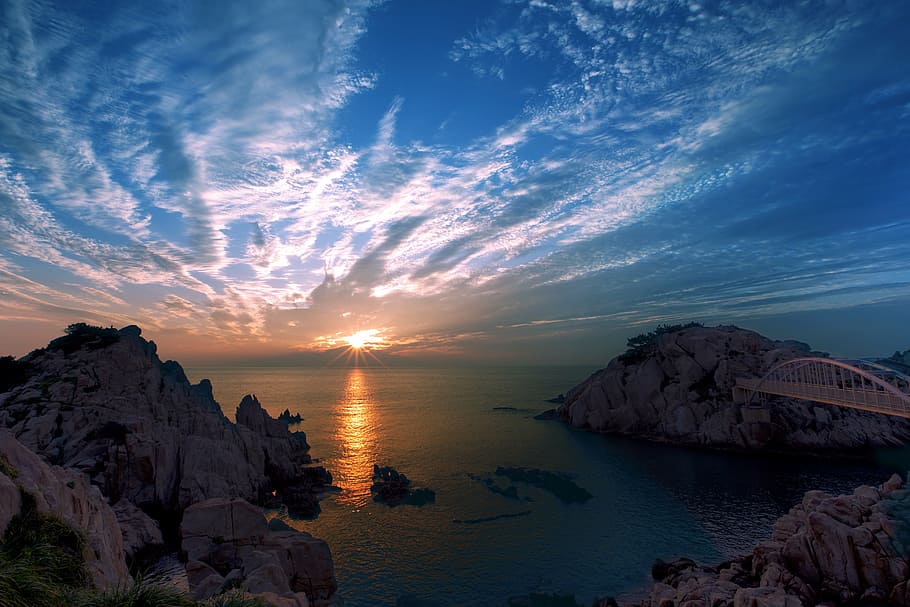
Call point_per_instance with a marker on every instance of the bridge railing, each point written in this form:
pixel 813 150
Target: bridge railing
pixel 832 381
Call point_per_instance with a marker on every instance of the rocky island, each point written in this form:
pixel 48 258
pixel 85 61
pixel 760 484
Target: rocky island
pixel 129 449
pixel 675 385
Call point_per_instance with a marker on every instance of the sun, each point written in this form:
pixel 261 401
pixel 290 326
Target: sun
pixel 363 339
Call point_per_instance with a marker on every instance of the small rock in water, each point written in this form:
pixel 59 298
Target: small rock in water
pixel 392 488
pixel 287 418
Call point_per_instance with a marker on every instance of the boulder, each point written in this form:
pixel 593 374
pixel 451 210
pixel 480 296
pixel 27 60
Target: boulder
pixel 140 531
pixel 232 537
pixel 67 494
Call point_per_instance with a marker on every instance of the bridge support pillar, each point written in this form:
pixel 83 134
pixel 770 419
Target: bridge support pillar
pixel 756 415
pixel 757 425
pixel 740 395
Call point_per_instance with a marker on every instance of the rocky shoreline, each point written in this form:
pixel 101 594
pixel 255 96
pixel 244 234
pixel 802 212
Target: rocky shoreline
pixel 827 550
pixel 98 430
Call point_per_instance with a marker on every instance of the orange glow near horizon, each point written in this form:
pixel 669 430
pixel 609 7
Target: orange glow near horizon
pixel 364 339
pixel 356 434
pixel 359 346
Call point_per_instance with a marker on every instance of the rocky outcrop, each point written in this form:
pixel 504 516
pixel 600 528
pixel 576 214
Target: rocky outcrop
pixel 66 494
pixel 831 550
pixel 101 402
pixel 393 488
pixel 679 389
pixel 228 544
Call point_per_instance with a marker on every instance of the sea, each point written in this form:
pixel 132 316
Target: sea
pixel 449 430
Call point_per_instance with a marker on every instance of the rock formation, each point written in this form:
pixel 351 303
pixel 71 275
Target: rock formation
pixel 844 550
pixel 229 544
pixel 393 488
pixel 100 401
pixel 101 405
pixel 679 389
pixel 67 494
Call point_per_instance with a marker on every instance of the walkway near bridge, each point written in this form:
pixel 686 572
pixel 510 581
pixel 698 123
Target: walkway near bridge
pixel 853 383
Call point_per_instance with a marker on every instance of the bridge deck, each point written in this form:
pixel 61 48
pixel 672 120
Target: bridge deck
pixel 878 401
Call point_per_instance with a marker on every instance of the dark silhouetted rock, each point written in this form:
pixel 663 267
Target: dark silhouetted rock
pixel 393 489
pixel 286 418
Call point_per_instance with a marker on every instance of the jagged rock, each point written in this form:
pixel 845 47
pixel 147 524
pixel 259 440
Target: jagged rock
pixel 232 537
pixel 286 417
pixel 102 402
pixel 826 550
pixel 679 389
pixel 67 494
pixel 251 414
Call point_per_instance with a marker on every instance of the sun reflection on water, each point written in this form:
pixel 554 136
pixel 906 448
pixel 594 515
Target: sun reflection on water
pixel 356 435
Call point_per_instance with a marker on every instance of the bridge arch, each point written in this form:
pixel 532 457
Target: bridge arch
pixel 852 383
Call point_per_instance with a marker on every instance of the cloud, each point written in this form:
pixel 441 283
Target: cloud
pixel 669 160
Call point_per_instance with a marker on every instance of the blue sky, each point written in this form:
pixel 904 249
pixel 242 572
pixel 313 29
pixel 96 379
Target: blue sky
pixel 523 180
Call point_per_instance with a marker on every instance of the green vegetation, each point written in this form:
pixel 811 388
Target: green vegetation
pixel 7 468
pixel 41 559
pixel 42 564
pixel 642 344
pixel 139 594
pixel 80 335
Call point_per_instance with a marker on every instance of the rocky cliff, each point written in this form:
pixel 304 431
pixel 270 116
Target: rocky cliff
pixel 101 402
pixel 827 550
pixel 679 389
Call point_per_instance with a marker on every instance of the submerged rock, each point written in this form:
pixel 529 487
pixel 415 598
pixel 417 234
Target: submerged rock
pixel 679 389
pixel 559 485
pixel 392 488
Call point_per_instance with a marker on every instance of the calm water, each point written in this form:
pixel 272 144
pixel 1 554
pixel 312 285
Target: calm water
pixel 440 426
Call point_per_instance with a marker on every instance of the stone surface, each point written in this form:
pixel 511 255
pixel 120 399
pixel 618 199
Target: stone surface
pixel 232 537
pixel 108 407
pixel 680 390
pixel 825 550
pixel 67 494
pixel 139 529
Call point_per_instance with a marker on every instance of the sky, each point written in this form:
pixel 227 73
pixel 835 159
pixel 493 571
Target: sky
pixel 510 181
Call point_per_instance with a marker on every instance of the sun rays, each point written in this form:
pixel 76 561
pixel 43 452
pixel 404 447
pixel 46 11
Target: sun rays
pixel 359 348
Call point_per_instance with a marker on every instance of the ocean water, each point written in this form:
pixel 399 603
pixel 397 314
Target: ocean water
pixel 445 428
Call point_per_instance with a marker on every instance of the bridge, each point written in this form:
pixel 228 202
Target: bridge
pixel 853 383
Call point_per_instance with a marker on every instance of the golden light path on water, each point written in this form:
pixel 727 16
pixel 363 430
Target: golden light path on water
pixel 355 432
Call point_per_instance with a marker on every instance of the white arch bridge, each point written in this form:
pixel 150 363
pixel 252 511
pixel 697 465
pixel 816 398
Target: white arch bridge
pixel 853 383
